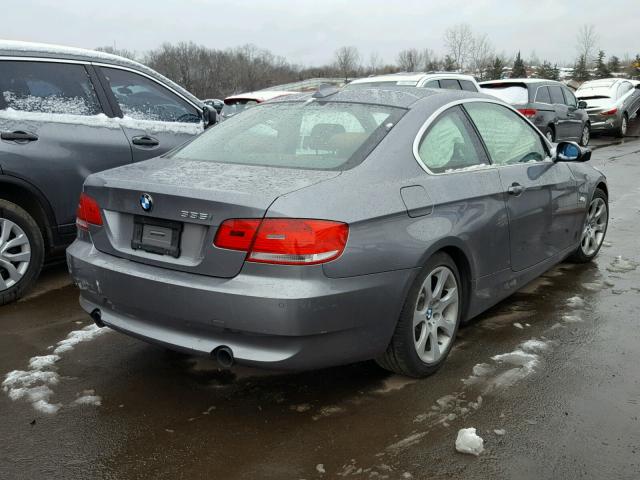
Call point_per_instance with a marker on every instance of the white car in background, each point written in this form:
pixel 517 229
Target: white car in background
pixel 446 80
pixel 237 103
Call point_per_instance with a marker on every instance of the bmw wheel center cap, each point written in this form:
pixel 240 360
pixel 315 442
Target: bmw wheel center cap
pixel 146 202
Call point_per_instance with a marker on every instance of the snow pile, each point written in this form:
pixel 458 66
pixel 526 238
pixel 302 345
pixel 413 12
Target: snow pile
pixel 469 442
pixel 34 385
pixel 622 265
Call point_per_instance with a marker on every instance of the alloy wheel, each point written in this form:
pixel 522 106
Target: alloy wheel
pixel 435 315
pixel 585 136
pixel 549 135
pixel 15 253
pixel 623 125
pixel 595 227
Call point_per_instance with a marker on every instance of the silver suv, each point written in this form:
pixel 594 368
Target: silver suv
pixel 446 80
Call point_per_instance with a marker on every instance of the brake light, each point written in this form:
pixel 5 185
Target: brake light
pixel 88 212
pixel 528 112
pixel 284 241
pixel 613 111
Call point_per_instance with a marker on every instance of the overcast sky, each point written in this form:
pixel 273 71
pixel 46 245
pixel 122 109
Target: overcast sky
pixel 307 32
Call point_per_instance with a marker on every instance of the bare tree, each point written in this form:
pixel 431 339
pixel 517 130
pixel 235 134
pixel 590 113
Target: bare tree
pixel 122 52
pixel 429 60
pixel 586 42
pixel 481 55
pixel 347 61
pixel 374 63
pixel 458 41
pixel 410 60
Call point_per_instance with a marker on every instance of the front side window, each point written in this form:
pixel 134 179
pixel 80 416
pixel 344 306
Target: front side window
pixel 43 87
pixel 570 98
pixel 509 138
pixel 140 98
pixel 450 144
pixel 556 95
pixel 307 135
pixel 450 84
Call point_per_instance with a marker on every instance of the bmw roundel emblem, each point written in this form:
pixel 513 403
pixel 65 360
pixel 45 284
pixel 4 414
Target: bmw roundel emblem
pixel 146 202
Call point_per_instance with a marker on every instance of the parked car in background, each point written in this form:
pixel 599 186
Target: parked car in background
pixel 549 105
pixel 446 80
pixel 610 103
pixel 237 103
pixel 328 228
pixel 64 114
pixel 215 103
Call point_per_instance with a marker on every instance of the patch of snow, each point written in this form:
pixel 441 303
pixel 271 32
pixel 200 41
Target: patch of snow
pixel 518 325
pixel 327 412
pixel 571 319
pixel 43 361
pixel 500 431
pixel 50 104
pixel 575 302
pixel 46 407
pixel 78 336
pixel 95 400
pixel 469 442
pixel 320 468
pixel 407 442
pixel 394 382
pixel 534 345
pixel 622 265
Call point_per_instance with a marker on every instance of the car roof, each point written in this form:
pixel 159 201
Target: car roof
pixel 402 97
pixel 260 95
pixel 520 80
pixel 13 48
pixel 602 83
pixel 410 77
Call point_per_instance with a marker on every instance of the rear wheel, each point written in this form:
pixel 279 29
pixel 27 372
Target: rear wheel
pixel 594 228
pixel 21 251
pixel 621 131
pixel 586 135
pixel 428 322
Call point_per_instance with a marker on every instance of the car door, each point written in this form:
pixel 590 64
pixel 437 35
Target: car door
pixel 154 118
pixel 574 116
pixel 625 97
pixel 55 132
pixel 541 195
pixel 562 121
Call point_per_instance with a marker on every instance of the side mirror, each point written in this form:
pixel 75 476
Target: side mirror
pixel 571 152
pixel 582 104
pixel 209 115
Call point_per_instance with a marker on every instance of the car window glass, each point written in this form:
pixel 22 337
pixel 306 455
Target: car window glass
pixel 556 95
pixel 570 98
pixel 43 87
pixel 450 84
pixel 451 144
pixel 542 95
pixel 432 84
pixel 508 137
pixel 624 88
pixel 468 85
pixel 143 99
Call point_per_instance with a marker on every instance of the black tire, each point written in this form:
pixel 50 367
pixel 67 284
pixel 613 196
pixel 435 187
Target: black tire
pixel 579 256
pixel 401 356
pixel 22 219
pixel 620 132
pixel 550 134
pixel 588 135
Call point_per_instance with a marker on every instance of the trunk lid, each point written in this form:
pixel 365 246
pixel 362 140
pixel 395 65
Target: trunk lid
pixel 189 200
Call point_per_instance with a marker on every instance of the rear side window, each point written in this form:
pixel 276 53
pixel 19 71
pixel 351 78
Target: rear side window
pixel 509 138
pixel 450 144
pixel 43 87
pixel 556 95
pixel 542 95
pixel 468 85
pixel 450 84
pixel 143 99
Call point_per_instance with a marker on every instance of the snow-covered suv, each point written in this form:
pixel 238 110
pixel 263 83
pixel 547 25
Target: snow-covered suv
pixel 447 80
pixel 66 113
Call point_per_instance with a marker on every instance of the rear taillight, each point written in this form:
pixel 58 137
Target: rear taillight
pixel 88 212
pixel 528 112
pixel 613 111
pixel 285 241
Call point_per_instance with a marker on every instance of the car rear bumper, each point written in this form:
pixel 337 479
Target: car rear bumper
pixel 598 124
pixel 296 320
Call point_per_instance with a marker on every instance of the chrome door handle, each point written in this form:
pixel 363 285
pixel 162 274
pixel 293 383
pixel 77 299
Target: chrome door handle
pixel 515 189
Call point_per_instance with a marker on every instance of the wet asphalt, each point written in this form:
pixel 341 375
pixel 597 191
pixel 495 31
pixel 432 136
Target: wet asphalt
pixel 567 406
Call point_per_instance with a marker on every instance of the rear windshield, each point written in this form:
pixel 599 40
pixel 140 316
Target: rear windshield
pixel 512 94
pixel 308 135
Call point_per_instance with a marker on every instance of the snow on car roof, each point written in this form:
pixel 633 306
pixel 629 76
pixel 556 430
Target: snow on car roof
pixel 408 77
pixel 604 83
pixel 518 80
pixel 46 50
pixel 259 96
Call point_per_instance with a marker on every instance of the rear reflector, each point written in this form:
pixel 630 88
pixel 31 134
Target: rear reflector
pixel 528 112
pixel 88 212
pixel 613 111
pixel 285 241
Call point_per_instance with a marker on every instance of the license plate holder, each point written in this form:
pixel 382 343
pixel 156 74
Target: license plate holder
pixel 155 235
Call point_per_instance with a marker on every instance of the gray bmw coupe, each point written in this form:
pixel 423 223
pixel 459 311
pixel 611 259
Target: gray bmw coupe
pixel 334 227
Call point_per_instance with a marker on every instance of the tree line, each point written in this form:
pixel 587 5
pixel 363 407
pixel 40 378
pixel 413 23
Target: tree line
pixel 215 73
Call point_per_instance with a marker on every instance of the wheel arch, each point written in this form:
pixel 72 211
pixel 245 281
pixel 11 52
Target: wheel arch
pixel 33 201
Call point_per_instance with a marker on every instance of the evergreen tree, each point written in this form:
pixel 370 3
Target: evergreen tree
pixel 495 69
pixel 519 68
pixel 449 64
pixel 580 71
pixel 602 70
pixel 547 71
pixel 556 72
pixel 614 64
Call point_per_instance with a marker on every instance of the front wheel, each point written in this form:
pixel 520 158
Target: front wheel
pixel 21 251
pixel 428 322
pixel 586 135
pixel 594 228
